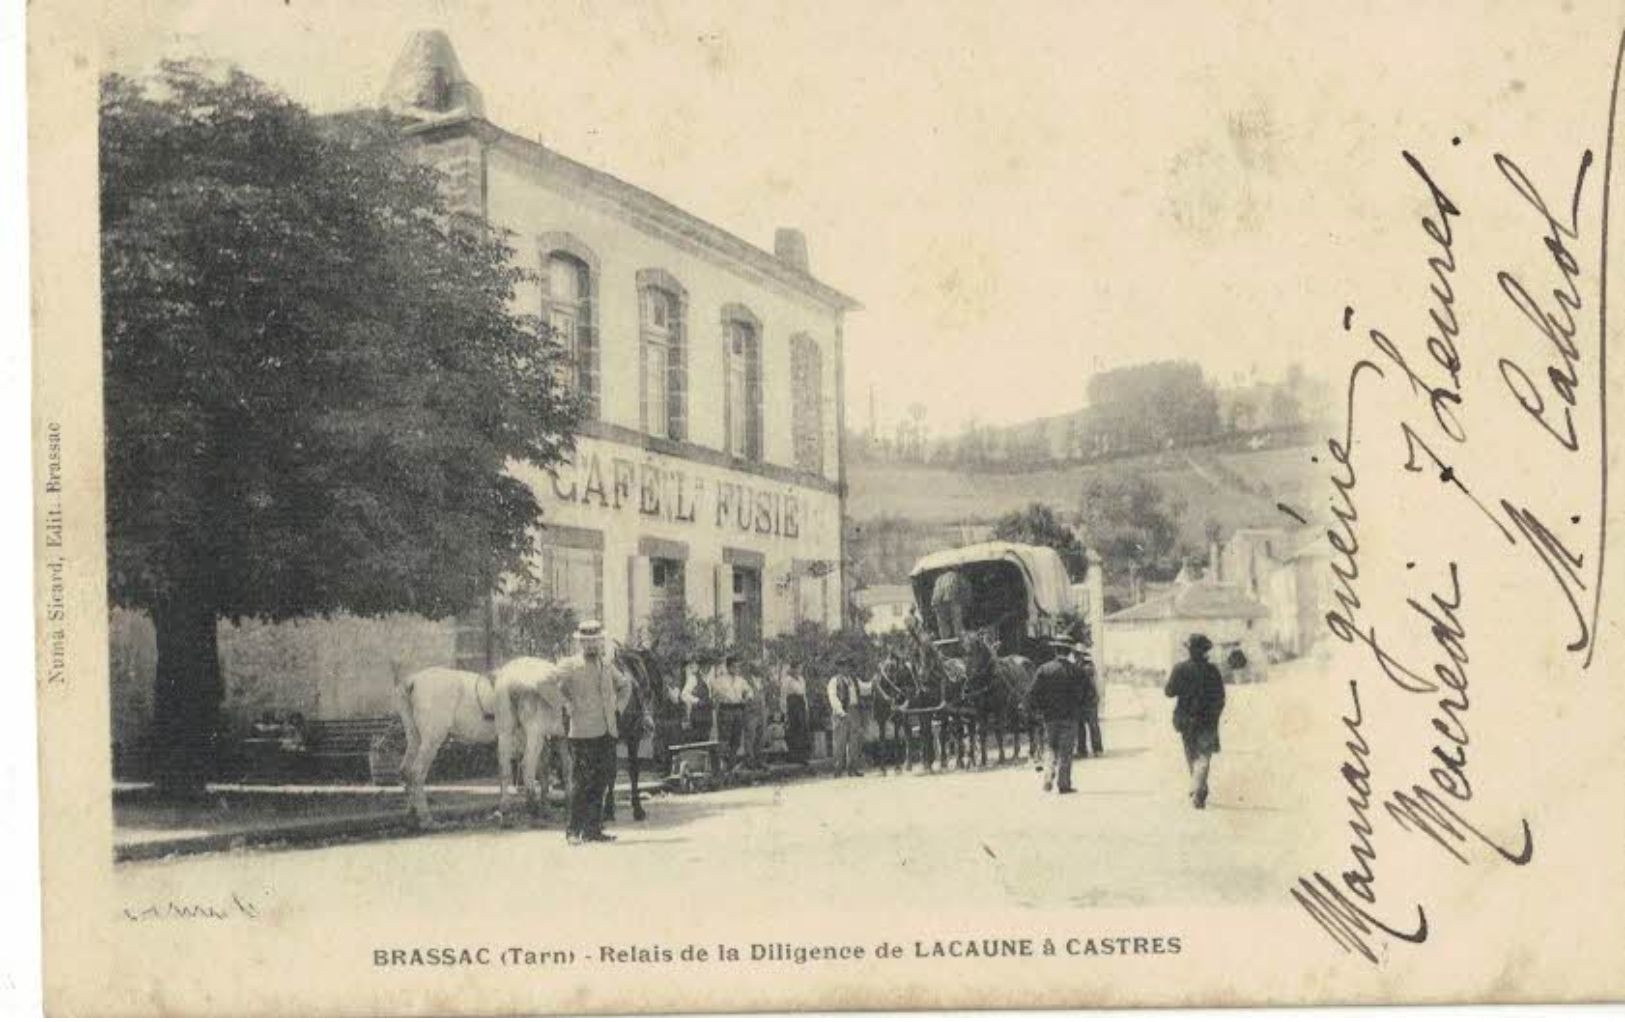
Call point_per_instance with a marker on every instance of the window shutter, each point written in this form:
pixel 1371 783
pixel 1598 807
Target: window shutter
pixel 728 410
pixel 753 397
pixel 645 301
pixel 677 374
pixel 724 594
pixel 639 582
pixel 587 345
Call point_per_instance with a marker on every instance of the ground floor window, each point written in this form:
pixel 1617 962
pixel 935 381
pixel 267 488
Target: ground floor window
pixel 747 606
pixel 574 577
pixel 666 584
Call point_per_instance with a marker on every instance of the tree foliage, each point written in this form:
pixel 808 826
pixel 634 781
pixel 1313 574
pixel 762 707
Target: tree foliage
pixel 678 637
pixel 1147 407
pixel 529 622
pixel 316 374
pixel 1038 524
pixel 1131 523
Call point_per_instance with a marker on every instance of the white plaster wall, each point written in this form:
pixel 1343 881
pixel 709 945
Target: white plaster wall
pixel 526 201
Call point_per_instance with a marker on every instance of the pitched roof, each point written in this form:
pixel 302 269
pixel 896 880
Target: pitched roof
pixel 1203 599
pixel 428 83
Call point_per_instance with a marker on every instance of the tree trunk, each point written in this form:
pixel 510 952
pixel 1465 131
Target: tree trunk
pixel 187 694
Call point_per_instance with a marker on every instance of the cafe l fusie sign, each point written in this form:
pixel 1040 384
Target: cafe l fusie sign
pixel 675 493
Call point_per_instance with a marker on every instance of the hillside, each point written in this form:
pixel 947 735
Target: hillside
pixel 1235 489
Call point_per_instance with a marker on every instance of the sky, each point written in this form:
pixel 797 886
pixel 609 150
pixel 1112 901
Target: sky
pixel 1020 194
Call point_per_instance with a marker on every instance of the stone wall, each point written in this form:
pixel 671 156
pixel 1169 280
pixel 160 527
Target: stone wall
pixel 336 667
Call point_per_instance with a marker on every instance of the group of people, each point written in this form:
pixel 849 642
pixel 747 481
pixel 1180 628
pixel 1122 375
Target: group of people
pixel 753 716
pixel 1064 695
pixel 1066 699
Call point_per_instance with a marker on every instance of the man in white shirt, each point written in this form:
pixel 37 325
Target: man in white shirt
pixel 594 694
pixel 846 720
pixel 729 691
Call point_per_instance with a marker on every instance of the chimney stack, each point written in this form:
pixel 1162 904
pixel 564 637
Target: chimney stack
pixel 790 245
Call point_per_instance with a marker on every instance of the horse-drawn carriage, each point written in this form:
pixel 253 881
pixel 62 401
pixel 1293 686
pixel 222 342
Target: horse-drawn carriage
pixel 986 617
pixel 1020 594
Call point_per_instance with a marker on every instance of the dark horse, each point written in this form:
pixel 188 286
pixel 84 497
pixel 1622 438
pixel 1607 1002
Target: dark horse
pixel 654 712
pixel 940 705
pixel 898 700
pixel 998 687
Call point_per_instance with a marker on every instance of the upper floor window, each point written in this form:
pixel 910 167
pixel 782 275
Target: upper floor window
pixel 807 403
pixel 663 355
pixel 742 339
pixel 569 309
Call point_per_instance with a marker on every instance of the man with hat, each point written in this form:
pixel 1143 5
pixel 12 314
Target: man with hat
pixel 594 695
pixel 1057 697
pixel 846 717
pixel 1198 693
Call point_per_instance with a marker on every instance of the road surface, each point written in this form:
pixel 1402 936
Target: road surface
pixel 1129 837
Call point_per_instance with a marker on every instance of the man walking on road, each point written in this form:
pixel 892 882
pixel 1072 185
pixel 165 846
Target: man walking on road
pixel 1057 697
pixel 1198 692
pixel 594 694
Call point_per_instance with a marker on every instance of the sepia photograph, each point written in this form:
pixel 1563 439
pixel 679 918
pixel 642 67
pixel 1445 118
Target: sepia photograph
pixel 624 508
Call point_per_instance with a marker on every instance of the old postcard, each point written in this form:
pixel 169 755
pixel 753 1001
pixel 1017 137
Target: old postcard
pixel 714 506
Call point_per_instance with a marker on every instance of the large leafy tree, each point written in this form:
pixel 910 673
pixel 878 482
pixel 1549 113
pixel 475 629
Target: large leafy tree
pixel 1134 526
pixel 316 375
pixel 1039 525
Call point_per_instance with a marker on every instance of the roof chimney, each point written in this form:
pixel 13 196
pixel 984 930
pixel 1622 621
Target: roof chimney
pixel 428 82
pixel 790 245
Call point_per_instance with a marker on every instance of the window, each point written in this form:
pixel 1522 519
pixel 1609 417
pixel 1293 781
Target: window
pixel 663 358
pixel 807 397
pixel 569 287
pixel 666 588
pixel 747 606
pixel 743 392
pixel 574 576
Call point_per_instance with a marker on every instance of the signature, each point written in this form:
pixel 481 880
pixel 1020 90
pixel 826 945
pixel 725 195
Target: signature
pixel 1436 798
pixel 238 907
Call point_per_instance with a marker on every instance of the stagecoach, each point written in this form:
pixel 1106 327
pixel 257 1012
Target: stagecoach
pixel 1020 593
pixel 966 676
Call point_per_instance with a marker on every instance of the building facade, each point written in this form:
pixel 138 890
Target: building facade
pixel 708 472
pixel 1149 637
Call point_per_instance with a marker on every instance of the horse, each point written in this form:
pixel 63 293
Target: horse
pixel 898 683
pixel 525 694
pixel 943 691
pixel 654 702
pixel 999 687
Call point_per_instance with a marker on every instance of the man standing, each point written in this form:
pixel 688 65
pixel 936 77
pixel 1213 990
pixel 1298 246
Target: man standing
pixel 729 692
pixel 1057 697
pixel 846 718
pixel 1089 711
pixel 755 719
pixel 594 695
pixel 948 599
pixel 1198 693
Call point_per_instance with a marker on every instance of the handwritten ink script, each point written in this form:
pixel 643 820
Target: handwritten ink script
pixel 236 907
pixel 1551 375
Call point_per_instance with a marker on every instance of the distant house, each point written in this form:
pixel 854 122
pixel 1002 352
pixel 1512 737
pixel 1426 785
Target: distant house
pixel 1297 593
pixel 1287 571
pixel 1151 636
pixel 886 607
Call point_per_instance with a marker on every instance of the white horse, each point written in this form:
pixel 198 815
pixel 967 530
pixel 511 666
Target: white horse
pixel 439 703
